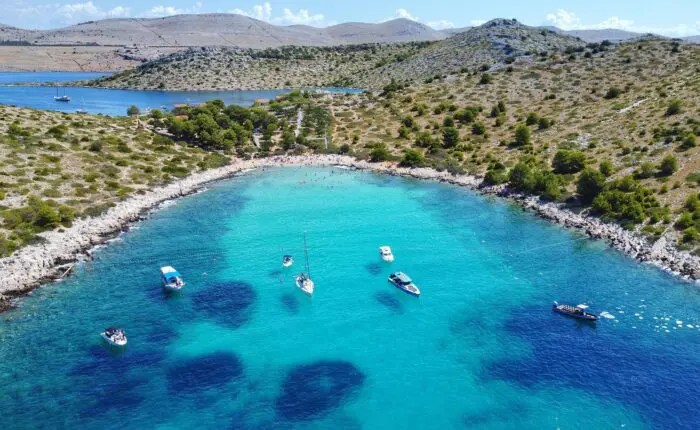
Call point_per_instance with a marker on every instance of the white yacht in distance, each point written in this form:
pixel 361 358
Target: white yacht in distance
pixel 172 280
pixel 304 282
pixel 114 336
pixel 386 254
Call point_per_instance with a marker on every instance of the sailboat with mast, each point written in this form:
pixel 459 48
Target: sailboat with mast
pixel 304 282
pixel 63 98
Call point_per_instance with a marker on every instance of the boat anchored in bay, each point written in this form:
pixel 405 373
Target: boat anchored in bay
pixel 404 283
pixel 578 311
pixel 114 336
pixel 172 280
pixel 303 281
pixel 386 254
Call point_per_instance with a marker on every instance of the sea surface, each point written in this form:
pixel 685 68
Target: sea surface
pixel 240 347
pixel 112 101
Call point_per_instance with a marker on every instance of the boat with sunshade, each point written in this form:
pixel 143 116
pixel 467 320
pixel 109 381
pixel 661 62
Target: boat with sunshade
pixel 404 283
pixel 172 280
pixel 386 254
pixel 578 311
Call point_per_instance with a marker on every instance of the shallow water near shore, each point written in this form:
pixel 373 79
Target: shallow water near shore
pixel 241 347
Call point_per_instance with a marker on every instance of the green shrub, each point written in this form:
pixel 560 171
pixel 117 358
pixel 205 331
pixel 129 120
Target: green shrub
pixel 606 168
pixel 485 79
pixel 522 135
pixel 379 153
pixel 412 158
pixel 674 107
pixel 568 161
pixel 689 142
pixel 532 119
pixel 668 166
pixel 450 137
pixel 613 92
pixel 478 128
pixel 590 183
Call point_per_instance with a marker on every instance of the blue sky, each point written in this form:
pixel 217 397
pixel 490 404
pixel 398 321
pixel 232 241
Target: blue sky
pixel 671 17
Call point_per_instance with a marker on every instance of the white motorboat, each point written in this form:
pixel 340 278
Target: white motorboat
pixel 172 280
pixel 386 254
pixel 114 336
pixel 287 261
pixel 401 281
pixel 303 281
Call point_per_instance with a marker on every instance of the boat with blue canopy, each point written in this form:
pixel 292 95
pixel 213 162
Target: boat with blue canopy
pixel 172 280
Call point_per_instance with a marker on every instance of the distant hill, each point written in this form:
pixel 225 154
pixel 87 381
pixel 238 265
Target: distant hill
pixel 692 39
pixel 221 30
pixel 488 44
pixel 362 65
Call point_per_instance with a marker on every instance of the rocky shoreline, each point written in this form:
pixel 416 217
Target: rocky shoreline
pixel 51 259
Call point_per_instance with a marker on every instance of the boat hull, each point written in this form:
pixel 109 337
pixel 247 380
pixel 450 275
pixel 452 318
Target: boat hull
pixel 306 286
pixel 414 293
pixel 576 315
pixel 107 339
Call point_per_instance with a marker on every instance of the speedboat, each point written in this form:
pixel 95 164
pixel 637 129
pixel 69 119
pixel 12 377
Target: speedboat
pixel 172 280
pixel 114 336
pixel 386 254
pixel 287 260
pixel 578 311
pixel 304 283
pixel 401 281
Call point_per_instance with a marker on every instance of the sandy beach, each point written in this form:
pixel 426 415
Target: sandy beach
pixel 51 259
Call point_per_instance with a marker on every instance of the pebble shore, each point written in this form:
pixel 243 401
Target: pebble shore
pixel 49 260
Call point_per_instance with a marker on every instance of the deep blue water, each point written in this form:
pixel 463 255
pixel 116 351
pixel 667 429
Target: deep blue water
pixel 241 347
pixel 110 101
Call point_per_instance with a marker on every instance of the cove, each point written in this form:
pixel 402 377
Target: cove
pixel 479 349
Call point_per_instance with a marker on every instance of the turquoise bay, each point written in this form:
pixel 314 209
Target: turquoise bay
pixel 241 347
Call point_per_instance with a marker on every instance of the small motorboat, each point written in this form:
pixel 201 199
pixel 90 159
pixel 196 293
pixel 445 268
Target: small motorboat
pixel 386 254
pixel 401 281
pixel 578 311
pixel 172 280
pixel 114 336
pixel 287 260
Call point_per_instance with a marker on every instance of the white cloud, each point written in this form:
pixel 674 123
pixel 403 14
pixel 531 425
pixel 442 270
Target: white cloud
pixel 441 25
pixel 263 12
pixel 57 14
pixel 301 17
pixel 161 10
pixel 403 13
pixel 477 22
pixel 567 20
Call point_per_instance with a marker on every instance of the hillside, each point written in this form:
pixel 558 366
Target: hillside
pixel 630 112
pixel 362 66
pixel 219 30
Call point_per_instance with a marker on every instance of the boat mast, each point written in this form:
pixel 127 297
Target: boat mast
pixel 306 257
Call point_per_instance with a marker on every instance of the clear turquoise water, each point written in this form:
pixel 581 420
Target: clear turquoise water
pixel 110 101
pixel 240 347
